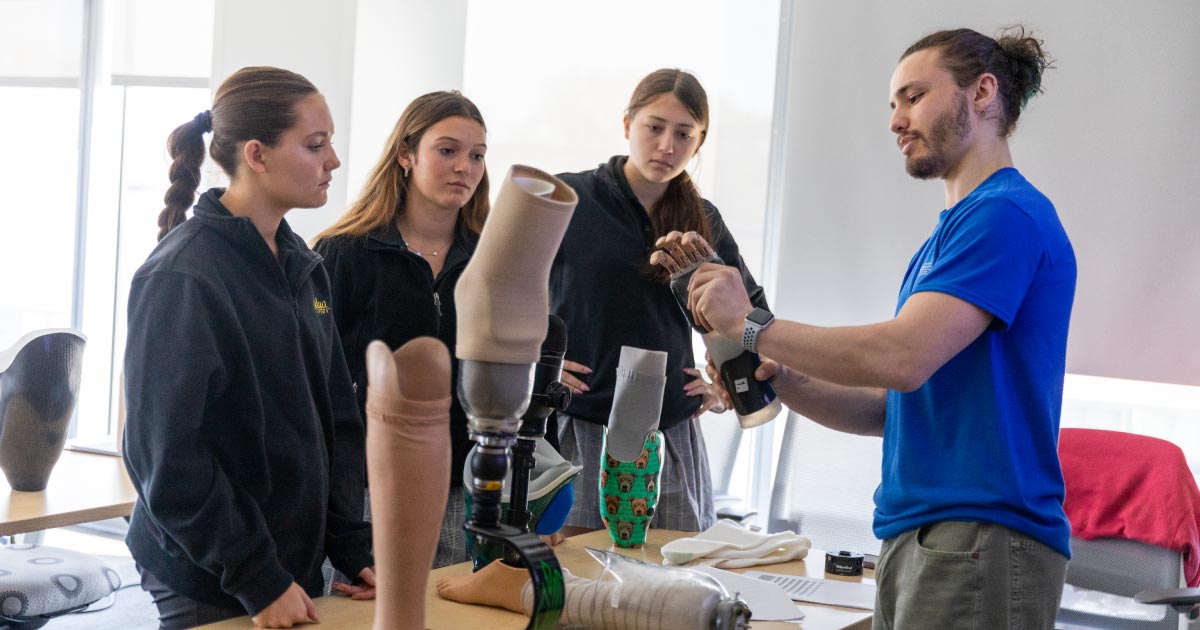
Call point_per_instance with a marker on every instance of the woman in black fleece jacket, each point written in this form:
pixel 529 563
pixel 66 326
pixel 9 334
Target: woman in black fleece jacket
pixel 243 438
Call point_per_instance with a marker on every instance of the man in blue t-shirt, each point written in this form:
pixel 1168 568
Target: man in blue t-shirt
pixel 965 383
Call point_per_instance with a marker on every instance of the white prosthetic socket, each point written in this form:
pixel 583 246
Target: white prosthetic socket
pixel 637 401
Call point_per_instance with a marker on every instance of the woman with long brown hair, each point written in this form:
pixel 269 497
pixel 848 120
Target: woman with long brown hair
pixel 395 256
pixel 242 437
pixel 603 286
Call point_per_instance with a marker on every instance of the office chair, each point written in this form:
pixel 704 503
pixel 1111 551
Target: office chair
pixel 39 386
pixel 1134 510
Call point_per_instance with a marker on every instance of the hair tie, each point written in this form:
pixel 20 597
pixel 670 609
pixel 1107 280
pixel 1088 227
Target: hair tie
pixel 203 121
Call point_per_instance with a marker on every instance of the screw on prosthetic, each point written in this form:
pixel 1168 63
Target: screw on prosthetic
pixel 503 305
pixel 754 401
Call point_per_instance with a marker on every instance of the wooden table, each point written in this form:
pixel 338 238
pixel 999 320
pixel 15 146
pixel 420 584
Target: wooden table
pixel 345 614
pixel 83 487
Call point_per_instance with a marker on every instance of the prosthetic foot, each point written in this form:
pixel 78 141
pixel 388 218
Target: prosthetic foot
pixel 633 447
pixel 627 594
pixel 408 443
pixel 503 309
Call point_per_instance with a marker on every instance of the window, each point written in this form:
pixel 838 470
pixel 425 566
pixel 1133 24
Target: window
pixel 127 72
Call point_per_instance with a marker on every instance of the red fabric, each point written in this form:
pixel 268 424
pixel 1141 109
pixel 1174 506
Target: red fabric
pixel 1121 485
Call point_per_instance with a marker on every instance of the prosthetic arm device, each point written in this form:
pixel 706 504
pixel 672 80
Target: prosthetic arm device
pixel 503 305
pixel 754 401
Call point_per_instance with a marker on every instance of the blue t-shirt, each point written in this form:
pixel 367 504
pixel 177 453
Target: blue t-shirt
pixel 979 440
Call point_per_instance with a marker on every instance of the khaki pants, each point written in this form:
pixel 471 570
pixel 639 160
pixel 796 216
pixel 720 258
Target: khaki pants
pixel 979 576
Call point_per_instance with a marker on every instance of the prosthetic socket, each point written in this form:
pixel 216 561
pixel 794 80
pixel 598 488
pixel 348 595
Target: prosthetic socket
pixel 754 401
pixel 631 469
pixel 634 594
pixel 503 305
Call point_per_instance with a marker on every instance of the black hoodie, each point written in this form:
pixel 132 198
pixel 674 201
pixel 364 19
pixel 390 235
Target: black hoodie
pixel 382 290
pixel 242 434
pixel 597 287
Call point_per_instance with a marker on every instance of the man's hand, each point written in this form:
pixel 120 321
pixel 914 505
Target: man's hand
pixel 366 590
pixel 767 370
pixel 718 301
pixel 291 608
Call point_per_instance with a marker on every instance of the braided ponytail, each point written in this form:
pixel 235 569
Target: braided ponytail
pixel 186 148
pixel 254 103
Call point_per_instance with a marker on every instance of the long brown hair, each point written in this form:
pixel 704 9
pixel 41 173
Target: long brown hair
pixel 254 103
pixel 681 207
pixel 385 194
pixel 1016 59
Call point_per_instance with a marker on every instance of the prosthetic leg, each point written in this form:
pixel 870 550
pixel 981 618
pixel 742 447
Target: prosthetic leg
pixel 408 412
pixel 628 594
pixel 540 504
pixel 503 305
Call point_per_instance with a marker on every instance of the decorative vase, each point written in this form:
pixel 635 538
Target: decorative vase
pixel 39 386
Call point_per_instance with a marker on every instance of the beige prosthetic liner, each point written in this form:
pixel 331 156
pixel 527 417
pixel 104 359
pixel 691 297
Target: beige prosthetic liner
pixel 502 298
pixel 408 445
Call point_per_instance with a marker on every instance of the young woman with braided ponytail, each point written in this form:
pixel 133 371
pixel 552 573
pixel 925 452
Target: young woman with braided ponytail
pixel 603 286
pixel 243 437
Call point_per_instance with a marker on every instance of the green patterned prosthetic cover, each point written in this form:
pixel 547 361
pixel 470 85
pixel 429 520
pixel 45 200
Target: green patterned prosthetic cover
pixel 629 491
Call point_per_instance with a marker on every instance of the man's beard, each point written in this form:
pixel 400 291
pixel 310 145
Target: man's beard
pixel 951 125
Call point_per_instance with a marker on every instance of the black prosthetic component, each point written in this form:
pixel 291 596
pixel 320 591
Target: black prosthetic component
pixel 549 395
pixel 489 467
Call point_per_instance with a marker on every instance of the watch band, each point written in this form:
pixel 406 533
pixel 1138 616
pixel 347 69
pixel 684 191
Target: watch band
pixel 756 322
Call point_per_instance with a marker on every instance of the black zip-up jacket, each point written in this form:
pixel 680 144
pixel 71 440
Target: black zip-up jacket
pixel 597 287
pixel 242 435
pixel 381 290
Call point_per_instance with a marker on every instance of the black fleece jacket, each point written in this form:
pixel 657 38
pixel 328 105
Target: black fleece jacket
pixel 597 287
pixel 381 290
pixel 242 435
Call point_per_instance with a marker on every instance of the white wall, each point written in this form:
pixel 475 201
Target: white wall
pixel 403 49
pixel 552 80
pixel 1112 142
pixel 312 37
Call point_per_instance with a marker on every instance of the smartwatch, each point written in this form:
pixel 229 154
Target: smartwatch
pixel 756 321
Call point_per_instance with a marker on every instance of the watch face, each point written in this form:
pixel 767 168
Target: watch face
pixel 760 316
